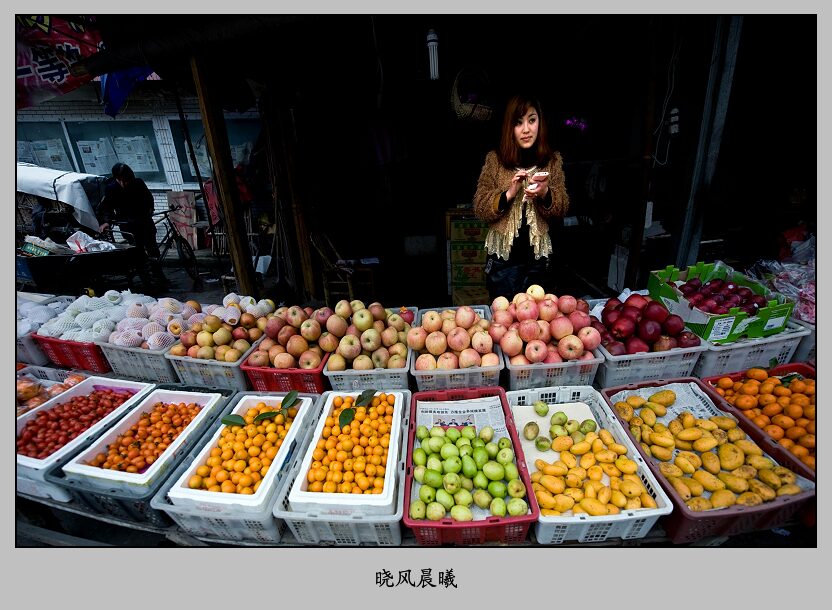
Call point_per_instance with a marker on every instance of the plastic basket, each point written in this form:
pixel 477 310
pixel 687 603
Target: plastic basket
pixel 684 525
pixel 226 524
pixel 115 502
pixel 633 368
pixel 45 373
pixel 805 351
pixel 269 379
pixel 449 379
pixel 783 455
pixel 505 530
pixel 212 373
pixel 542 375
pixel 138 363
pixel 747 353
pixel 73 354
pixel 629 524
pixel 29 352
pixel 337 530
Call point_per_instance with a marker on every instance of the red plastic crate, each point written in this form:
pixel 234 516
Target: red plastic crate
pixel 268 379
pixel 505 530
pixel 73 354
pixel 684 525
pixel 783 455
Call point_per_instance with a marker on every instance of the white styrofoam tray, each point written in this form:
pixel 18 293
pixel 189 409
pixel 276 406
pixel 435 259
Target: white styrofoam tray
pixel 139 482
pixel 303 501
pixel 180 494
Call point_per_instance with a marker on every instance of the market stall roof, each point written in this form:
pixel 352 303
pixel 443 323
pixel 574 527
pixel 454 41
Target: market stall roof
pixel 81 191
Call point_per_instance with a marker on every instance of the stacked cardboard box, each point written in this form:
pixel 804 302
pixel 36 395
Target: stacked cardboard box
pixel 466 256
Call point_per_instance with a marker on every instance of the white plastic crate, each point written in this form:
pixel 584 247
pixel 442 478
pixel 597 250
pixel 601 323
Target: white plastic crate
pixel 221 523
pixel 29 352
pixel 542 375
pixel 628 524
pixel 212 372
pixel 31 471
pixel 449 379
pixel 345 504
pixel 747 353
pixel 138 363
pixel 182 495
pixel 48 374
pixel 353 530
pixel 805 351
pixel 634 368
pixel 139 483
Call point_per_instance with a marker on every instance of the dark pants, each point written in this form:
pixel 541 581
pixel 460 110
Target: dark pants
pixel 507 278
pixel 143 236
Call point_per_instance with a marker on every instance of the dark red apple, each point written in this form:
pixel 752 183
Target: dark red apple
pixel 730 287
pixel 623 327
pixel 687 339
pixel 606 337
pixel 687 289
pixel 609 316
pixel 704 308
pixel 649 330
pixel 273 326
pixel 744 292
pixel 709 303
pixel 612 303
pixel 664 343
pixel 718 298
pixel 720 309
pixel 696 299
pixel 695 282
pixel 655 311
pixel 759 300
pixel 635 345
pixel 616 348
pixel 714 284
pixel 634 313
pixel 636 300
pixel 599 326
pixel 582 305
pixel 673 325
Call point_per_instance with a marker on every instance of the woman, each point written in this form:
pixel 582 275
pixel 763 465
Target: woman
pixel 520 186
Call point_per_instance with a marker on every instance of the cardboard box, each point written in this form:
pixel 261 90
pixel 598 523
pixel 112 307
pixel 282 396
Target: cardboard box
pixel 467 254
pixel 470 295
pixel 468 231
pixel 467 275
pixel 720 328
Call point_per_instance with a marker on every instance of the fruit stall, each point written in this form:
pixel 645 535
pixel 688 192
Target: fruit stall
pixel 674 414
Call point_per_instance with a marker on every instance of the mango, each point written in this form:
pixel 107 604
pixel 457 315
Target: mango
pixel 648 416
pixel 749 498
pixel 660 428
pixel 633 504
pixel 626 465
pixel 749 447
pixel 684 445
pixel 663 439
pixel 721 436
pixel 689 434
pixel 691 457
pixel 710 462
pixel 659 410
pixel 587 460
pixel 647 501
pixel 745 471
pixel 615 482
pixel 535 476
pixel 589 491
pixel 723 498
pixel 545 499
pixel 706 424
pixel 573 481
pixel 569 459
pixel 734 483
pixel 610 470
pixel 562 443
pixel 699 504
pixel 606 456
pixel 606 437
pixel 665 398
pixel 696 488
pixel 636 421
pixel 575 493
pixel 759 462
pixel 635 401
pixel 578 472
pixel 790 489
pixel 547 512
pixel 612 509
pixel 624 410
pixel 687 419
pixel 709 481
pixel 669 470
pixel 553 485
pixel 578 510
pixel 558 469
pixel 630 488
pixel 661 453
pixel 594 507
pixel 736 434
pixel 730 456
pixel 564 502
pixel 724 422
pixel 636 433
pixel 675 426
pixel 597 445
pixel 786 475
pixel 705 444
pixel 540 464
pixel 646 448
pixel 618 499
pixel 604 494
pixel 763 490
pixel 767 477
pixel 617 448
pixel 595 473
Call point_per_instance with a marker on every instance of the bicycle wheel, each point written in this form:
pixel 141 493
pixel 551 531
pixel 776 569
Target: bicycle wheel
pixel 187 257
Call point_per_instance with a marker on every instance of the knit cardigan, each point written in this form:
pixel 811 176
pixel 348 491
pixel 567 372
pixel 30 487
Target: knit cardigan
pixel 494 181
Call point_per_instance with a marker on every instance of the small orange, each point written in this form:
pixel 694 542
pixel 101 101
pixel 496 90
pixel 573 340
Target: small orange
pixel 725 383
pixel 757 374
pixel 809 412
pixel 762 421
pixel 781 391
pixel 766 399
pixel 745 402
pixel 751 389
pixel 786 442
pixel 809 460
pixel 810 388
pixel 794 411
pixel 737 386
pixel 800 399
pixel 797 386
pixel 801 421
pixel 766 387
pixel 810 427
pixel 795 432
pixel 807 440
pixel 783 421
pixel 774 380
pixel 720 391
pixel 799 450
pixel 772 409
pixel 775 432
pixel 784 401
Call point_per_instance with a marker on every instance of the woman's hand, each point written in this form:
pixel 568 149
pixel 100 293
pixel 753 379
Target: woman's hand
pixel 539 186
pixel 516 182
pixel 103 227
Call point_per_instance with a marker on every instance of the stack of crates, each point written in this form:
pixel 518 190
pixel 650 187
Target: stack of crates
pixel 466 257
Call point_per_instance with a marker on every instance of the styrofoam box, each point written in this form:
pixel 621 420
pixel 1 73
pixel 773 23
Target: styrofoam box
pixel 321 503
pixel 30 471
pixel 580 403
pixel 139 482
pixel 182 495
pixel 747 353
pixel 352 530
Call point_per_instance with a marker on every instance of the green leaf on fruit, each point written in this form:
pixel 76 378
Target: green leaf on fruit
pixel 266 415
pixel 289 400
pixel 772 363
pixel 233 420
pixel 786 380
pixel 345 419
pixel 365 398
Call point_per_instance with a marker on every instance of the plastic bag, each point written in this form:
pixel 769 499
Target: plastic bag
pixel 81 242
pixel 27 388
pixel 793 280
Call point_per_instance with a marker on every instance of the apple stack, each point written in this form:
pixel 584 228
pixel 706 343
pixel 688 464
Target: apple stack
pixel 547 340
pixel 641 340
pixel 454 340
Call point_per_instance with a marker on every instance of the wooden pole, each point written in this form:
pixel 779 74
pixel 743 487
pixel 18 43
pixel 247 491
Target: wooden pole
pixel 216 137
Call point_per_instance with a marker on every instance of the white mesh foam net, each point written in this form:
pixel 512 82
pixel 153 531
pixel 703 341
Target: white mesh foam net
pixel 245 302
pixel 40 314
pixel 132 324
pixel 161 316
pixel 88 318
pixel 231 297
pixel 160 340
pixel 187 311
pixel 231 315
pixel 268 307
pixel 183 326
pixel 113 296
pixel 196 318
pixel 151 328
pixel 256 310
pixel 129 338
pixel 137 310
pixel 104 326
pixel 169 304
pixel 116 313
pixel 96 303
pixel 209 309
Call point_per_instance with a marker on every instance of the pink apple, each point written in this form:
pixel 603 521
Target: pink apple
pixel 352 330
pixel 349 347
pixel 502 317
pixel 547 309
pixel 448 360
pixel 448 314
pixel 549 296
pixel 322 314
pixel 237 333
pixel 363 363
pixel 552 357
pixel 458 339
pixel 362 319
pixel 336 325
pixel 193 351
pixel 310 330
pixel 582 305
pixel 520 297
pixel 496 331
pixel 379 325
pixel 499 304
pixel 512 309
pixel 370 340
pixel 536 292
pixel 536 351
pixel 519 360
pixel 378 311
pixel 295 315
pixel 465 316
pixel 567 304
pixel 431 321
pixel 296 345
pixel 336 362
pixel 309 360
pixel 398 349
pixel 396 362
pixel 514 326
pixel 286 333
pixel 482 342
pixel 579 320
pixel 590 337
pixel 389 336
pixel 545 331
pixel 380 358
pixel 560 327
pixel 587 355
pixel 436 342
pixel 490 359
pixel 425 362
pixel 469 357
pixel 528 330
pixel 273 326
pixel 448 325
pixel 343 308
pixel 284 361
pixel 527 310
pixel 570 347
pixel 266 344
pixel 258 358
pixel 396 321
pixel 416 338
pixel 327 341
pixel 511 343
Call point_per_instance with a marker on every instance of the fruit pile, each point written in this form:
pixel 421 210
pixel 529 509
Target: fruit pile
pixel 452 339
pixel 718 296
pixel 456 468
pixel 710 463
pixel 32 393
pixel 536 327
pixel 49 430
pixel 639 325
pixel 351 455
pixel 292 339
pixel 246 447
pixel 784 407
pixel 137 448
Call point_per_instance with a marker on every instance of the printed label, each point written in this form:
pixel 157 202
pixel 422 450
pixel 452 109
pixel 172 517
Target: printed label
pixel 721 328
pixel 775 323
pixel 743 325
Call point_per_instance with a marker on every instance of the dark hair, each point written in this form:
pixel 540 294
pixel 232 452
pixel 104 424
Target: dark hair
pixel 122 171
pixel 509 151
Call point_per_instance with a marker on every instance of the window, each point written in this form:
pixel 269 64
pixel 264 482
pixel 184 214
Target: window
pixel 43 144
pixel 242 136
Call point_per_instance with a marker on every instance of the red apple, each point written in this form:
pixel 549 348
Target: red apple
pixel 561 327
pixel 635 345
pixel 649 330
pixel 664 343
pixel 616 348
pixel 582 305
pixel 529 330
pixel 673 325
pixel 636 300
pixel 612 303
pixel 511 343
pixel 536 351
pixel 590 337
pixel 688 339
pixel 579 319
pixel 570 347
pixel 632 312
pixel 655 311
pixel 623 327
pixel 567 304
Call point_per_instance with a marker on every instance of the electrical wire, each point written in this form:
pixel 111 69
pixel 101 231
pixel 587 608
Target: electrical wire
pixel 671 84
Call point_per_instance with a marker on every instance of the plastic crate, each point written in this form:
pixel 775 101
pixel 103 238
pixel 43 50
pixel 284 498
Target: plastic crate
pixel 683 525
pixel 78 468
pixel 31 471
pixel 115 502
pixel 45 373
pixel 270 379
pixel 29 352
pixel 629 524
pixel 225 523
pixel 747 353
pixel 505 530
pixel 354 530
pixel 783 455
pixel 138 363
pixel 805 351
pixel 633 368
pixel 344 504
pixel 212 373
pixel 73 354
pixel 542 375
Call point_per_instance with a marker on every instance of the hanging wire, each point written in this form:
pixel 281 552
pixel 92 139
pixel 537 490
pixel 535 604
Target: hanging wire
pixel 671 83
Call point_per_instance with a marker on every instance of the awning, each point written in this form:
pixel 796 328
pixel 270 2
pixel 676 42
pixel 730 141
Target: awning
pixel 81 191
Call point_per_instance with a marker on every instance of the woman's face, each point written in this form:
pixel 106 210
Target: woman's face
pixel 525 129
